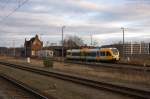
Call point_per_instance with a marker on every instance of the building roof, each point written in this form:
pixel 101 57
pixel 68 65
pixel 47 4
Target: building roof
pixel 28 43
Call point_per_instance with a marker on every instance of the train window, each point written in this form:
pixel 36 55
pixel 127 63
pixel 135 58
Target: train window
pixel 97 53
pixel 108 54
pixel 75 54
pixel 102 53
pixel 68 53
pixel 115 51
pixel 82 53
pixel 91 54
pixel 87 54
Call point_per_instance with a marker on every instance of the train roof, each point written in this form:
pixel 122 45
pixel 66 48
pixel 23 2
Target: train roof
pixel 108 48
pixel 91 50
pixel 73 50
pixel 78 50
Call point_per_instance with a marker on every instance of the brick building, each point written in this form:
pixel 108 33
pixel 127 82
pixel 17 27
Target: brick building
pixel 32 46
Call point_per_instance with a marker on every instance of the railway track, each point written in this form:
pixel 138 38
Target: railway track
pixel 26 88
pixel 136 93
pixel 111 65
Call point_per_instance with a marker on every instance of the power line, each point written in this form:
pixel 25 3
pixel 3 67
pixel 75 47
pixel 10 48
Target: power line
pixel 19 2
pixel 19 6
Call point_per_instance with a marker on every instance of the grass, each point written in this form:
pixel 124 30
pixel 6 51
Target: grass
pixel 117 76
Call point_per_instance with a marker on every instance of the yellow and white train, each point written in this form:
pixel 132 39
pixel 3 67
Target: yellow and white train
pixel 98 54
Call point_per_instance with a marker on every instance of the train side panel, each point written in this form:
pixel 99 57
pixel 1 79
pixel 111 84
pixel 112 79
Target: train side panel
pixel 103 54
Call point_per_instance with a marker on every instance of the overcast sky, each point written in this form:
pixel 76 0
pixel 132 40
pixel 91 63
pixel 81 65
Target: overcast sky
pixel 101 18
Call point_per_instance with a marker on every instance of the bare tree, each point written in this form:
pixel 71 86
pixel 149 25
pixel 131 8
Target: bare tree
pixel 95 43
pixel 73 42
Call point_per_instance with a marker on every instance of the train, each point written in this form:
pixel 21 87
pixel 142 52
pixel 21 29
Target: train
pixel 96 54
pixel 44 53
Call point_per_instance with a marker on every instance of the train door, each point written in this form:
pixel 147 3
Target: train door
pixel 103 55
pixel 108 55
pixel 82 55
pixel 97 56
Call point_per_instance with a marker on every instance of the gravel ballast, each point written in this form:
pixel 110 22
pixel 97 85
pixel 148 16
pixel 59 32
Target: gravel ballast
pixel 59 88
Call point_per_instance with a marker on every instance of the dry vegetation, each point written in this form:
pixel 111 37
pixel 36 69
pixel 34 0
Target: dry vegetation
pixel 124 77
pixel 139 60
pixel 59 88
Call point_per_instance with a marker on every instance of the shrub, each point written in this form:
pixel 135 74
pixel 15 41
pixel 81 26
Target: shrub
pixel 48 62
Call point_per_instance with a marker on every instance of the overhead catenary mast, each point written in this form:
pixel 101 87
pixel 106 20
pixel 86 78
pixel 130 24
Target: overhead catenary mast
pixel 123 41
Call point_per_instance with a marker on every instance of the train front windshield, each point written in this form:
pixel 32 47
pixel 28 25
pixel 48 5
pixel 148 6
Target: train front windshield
pixel 115 51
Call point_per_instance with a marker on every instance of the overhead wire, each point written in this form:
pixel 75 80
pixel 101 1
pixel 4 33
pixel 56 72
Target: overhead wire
pixel 19 6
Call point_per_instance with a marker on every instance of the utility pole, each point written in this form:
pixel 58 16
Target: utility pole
pixel 123 48
pixel 14 47
pixel 47 43
pixel 91 39
pixel 41 41
pixel 62 40
pixel 25 52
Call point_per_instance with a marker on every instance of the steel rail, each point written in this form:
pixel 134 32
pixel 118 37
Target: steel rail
pixel 137 93
pixel 26 87
pixel 112 65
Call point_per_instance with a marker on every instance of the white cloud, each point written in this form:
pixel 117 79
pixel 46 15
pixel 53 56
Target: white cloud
pixel 103 18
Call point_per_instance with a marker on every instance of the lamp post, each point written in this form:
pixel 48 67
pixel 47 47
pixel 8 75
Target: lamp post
pixel 63 40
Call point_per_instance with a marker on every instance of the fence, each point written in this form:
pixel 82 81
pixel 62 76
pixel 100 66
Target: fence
pixel 136 49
